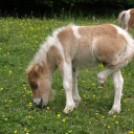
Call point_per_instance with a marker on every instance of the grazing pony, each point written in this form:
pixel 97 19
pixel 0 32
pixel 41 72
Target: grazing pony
pixel 126 19
pixel 72 47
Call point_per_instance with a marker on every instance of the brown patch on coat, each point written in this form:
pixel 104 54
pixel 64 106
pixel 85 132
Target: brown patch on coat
pixel 68 40
pixel 107 42
pixel 55 59
pixel 131 20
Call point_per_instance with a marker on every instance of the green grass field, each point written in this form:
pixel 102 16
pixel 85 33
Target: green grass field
pixel 19 41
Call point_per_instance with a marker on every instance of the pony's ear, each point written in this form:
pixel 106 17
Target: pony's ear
pixel 38 68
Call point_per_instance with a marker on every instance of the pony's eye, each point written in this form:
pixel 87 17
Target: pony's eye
pixel 35 86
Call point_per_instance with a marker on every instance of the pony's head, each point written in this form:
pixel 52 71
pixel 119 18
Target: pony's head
pixel 40 81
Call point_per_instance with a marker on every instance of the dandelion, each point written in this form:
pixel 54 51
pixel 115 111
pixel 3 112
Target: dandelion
pixel 58 115
pixel 5 100
pixel 1 89
pixel 7 52
pixel 128 109
pixel 90 122
pixel 93 84
pixel 25 88
pixel 102 117
pixel 131 132
pixel 25 129
pixel 84 95
pixel 5 66
pixel 10 101
pixel 0 48
pixel 108 127
pixel 10 72
pixel 94 96
pixel 23 85
pixel 64 120
pixel 114 116
pixel 5 119
pixel 62 89
pixel 47 107
pixel 83 81
pixel 70 131
pixel 116 122
pixel 96 113
pixel 31 94
pixel 15 131
pixel 30 104
pixel 24 95
pixel 5 55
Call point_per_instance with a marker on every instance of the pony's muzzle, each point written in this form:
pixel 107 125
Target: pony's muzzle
pixel 39 102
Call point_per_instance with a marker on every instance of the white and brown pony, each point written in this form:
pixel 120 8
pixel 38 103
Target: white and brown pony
pixel 72 47
pixel 126 19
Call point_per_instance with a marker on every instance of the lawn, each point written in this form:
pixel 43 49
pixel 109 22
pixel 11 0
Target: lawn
pixel 19 41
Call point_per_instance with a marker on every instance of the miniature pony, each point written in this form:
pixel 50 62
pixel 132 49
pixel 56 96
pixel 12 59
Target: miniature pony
pixel 72 47
pixel 126 19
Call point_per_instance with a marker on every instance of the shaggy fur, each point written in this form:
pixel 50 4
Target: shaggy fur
pixel 72 47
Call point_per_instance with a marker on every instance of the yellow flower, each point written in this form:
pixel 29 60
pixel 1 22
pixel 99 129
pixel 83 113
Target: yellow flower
pixel 131 132
pixel 58 115
pixel 104 125
pixel 116 122
pixel 4 55
pixel 25 129
pixel 70 131
pixel 25 88
pixel 15 131
pixel 1 88
pixel 62 89
pixel 108 127
pixel 10 101
pixel 23 85
pixel 0 48
pixel 5 66
pixel 128 109
pixel 30 104
pixel 93 84
pixel 5 119
pixel 94 96
pixel 114 116
pixel 7 52
pixel 96 113
pixel 47 107
pixel 90 122
pixel 83 81
pixel 5 100
pixel 64 120
pixel 24 95
pixel 84 95
pixel 103 117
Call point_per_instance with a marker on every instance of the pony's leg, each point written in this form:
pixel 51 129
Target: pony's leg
pixel 118 85
pixel 67 83
pixel 75 93
pixel 101 77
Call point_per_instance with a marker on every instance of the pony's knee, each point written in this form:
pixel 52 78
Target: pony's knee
pixel 101 79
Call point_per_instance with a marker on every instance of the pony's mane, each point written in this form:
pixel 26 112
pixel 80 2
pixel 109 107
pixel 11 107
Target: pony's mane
pixel 41 55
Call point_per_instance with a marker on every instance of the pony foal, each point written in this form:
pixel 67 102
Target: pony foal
pixel 72 47
pixel 126 19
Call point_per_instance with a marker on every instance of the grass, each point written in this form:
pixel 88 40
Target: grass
pixel 19 41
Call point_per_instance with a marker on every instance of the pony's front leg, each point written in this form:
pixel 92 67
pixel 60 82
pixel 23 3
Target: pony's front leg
pixel 67 83
pixel 118 85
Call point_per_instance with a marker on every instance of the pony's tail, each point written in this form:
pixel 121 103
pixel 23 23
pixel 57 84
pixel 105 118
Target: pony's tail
pixel 121 17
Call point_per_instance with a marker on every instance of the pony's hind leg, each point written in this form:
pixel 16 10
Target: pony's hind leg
pixel 75 93
pixel 67 83
pixel 118 85
pixel 101 77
